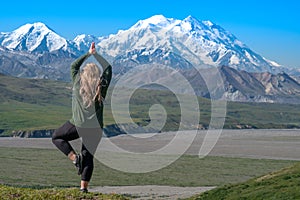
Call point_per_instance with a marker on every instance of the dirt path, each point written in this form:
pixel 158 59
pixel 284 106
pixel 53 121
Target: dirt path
pixel 256 143
pixel 152 191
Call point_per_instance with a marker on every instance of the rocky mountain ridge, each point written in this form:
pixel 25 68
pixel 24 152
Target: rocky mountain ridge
pixel 191 46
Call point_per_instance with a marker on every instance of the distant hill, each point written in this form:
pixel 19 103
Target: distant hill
pixel 33 104
pixel 223 83
pixel 39 104
pixel 34 91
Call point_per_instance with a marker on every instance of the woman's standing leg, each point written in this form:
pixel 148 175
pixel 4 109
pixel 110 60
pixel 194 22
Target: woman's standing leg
pixel 90 141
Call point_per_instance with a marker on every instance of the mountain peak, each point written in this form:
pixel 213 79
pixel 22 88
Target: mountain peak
pixel 85 37
pixel 84 41
pixel 37 26
pixel 190 18
pixel 193 24
pixel 156 20
pixel 35 37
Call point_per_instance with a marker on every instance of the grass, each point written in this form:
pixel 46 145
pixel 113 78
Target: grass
pixel 262 115
pixel 29 173
pixel 50 168
pixel 9 192
pixel 29 104
pixel 25 116
pixel 282 184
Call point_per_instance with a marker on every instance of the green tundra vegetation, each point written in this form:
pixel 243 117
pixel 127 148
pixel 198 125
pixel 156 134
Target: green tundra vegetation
pixel 31 104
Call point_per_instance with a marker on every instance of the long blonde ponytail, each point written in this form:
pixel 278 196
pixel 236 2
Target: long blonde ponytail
pixel 90 84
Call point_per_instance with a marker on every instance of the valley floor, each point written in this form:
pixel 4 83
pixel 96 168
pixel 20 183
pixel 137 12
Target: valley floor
pixel 283 144
pixel 256 144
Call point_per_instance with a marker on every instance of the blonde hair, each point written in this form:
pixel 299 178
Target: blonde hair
pixel 90 84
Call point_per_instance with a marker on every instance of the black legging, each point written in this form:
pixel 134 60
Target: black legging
pixel 90 140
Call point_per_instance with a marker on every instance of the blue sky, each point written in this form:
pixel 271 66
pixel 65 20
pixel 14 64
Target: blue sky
pixel 270 28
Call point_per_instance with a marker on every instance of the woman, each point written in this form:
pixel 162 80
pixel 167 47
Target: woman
pixel 89 91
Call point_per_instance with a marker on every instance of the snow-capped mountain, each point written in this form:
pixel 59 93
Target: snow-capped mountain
pixel 36 37
pixel 36 51
pixel 160 39
pixel 177 43
pixel 84 41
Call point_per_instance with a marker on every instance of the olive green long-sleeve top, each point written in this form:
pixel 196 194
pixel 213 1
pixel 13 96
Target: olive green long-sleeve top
pixel 92 116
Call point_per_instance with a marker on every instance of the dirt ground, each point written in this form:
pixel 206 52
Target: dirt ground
pixel 152 191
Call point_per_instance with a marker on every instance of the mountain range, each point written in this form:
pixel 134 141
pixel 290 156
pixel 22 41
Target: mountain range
pixel 37 51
